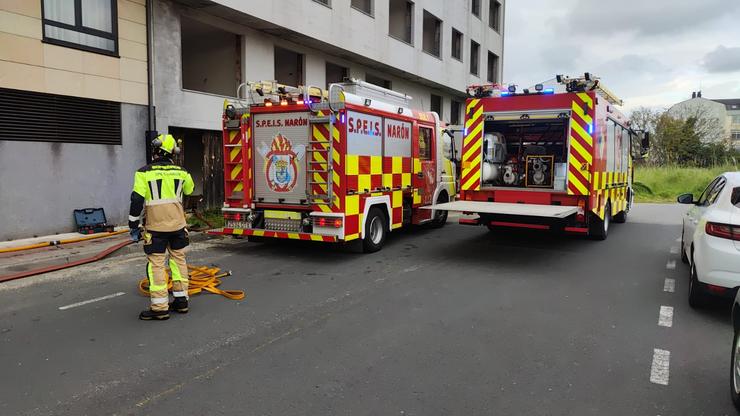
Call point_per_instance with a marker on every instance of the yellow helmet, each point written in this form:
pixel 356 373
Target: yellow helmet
pixel 167 143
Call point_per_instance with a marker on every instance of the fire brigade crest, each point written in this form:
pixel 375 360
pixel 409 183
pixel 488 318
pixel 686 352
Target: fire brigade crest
pixel 281 163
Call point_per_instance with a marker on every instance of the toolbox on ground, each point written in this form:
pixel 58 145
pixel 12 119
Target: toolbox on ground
pixel 91 220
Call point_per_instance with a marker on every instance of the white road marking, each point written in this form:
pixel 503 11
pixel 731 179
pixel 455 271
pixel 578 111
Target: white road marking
pixel 669 285
pixel 660 371
pixel 666 316
pixel 674 250
pixel 411 269
pixel 85 302
pixel 671 265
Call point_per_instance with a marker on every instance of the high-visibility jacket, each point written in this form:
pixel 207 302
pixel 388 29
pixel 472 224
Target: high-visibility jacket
pixel 158 191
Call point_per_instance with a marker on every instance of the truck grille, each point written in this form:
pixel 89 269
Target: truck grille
pixel 279 224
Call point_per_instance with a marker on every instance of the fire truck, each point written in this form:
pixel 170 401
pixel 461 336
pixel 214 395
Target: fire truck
pixel 547 158
pixel 353 162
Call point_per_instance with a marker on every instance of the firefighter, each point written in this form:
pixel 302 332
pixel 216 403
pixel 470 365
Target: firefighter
pixel 158 192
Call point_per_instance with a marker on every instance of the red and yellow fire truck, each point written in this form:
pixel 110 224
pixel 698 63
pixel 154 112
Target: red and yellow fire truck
pixel 351 163
pixel 543 159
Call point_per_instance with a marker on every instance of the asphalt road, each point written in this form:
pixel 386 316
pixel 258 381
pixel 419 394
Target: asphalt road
pixel 440 322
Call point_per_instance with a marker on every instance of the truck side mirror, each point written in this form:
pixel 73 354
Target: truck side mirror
pixel 685 199
pixel 645 142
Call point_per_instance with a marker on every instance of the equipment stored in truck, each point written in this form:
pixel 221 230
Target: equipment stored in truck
pixel 351 163
pixel 543 159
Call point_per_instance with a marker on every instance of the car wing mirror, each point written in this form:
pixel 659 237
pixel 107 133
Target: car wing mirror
pixel 685 199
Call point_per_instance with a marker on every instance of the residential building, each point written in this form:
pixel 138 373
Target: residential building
pixel 726 114
pixel 73 110
pixel 204 49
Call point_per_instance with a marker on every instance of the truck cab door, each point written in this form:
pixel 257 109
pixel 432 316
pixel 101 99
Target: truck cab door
pixel 425 166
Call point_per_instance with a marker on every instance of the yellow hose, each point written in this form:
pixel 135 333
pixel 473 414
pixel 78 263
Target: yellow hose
pixel 56 243
pixel 200 278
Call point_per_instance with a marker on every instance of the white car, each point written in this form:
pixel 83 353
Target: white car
pixel 710 241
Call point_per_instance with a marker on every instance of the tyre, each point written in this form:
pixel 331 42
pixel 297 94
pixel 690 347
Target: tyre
pixel 375 231
pixel 621 217
pixel 598 229
pixel 684 257
pixel 440 217
pixel 735 371
pixel 697 297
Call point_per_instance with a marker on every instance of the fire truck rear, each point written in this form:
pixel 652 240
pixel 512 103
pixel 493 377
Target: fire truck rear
pixel 545 160
pixel 351 163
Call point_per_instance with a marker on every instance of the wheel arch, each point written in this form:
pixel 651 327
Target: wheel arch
pixel 383 202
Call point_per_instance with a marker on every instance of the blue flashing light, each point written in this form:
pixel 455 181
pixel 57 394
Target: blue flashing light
pixel 505 94
pixel 590 128
pixel 341 118
pixel 465 132
pixel 549 91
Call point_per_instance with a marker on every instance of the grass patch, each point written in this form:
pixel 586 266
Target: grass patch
pixel 213 216
pixel 664 184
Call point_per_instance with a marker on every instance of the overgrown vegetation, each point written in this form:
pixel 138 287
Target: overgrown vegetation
pixel 664 184
pixel 213 216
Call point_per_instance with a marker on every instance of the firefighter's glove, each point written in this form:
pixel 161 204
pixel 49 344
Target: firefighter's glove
pixel 135 234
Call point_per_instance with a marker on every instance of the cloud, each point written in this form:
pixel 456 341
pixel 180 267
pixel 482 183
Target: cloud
pixel 647 17
pixel 722 60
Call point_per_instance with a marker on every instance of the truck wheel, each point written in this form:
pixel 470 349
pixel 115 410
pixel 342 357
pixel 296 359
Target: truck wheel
pixel 440 217
pixel 375 231
pixel 598 229
pixel 621 217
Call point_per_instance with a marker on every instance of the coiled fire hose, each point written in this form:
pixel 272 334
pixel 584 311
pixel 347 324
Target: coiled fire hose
pixel 201 279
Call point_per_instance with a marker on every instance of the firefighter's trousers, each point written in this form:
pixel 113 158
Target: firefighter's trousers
pixel 156 247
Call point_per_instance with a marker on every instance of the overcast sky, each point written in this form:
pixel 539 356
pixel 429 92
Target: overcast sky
pixel 648 52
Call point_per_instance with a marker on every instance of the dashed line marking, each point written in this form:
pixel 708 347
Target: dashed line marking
pixel 660 369
pixel 671 265
pixel 669 285
pixel 674 250
pixel 85 302
pixel 665 318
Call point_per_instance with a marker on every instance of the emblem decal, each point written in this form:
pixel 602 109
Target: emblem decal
pixel 281 163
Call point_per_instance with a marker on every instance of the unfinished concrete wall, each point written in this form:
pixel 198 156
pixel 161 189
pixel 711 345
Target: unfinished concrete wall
pixel 42 183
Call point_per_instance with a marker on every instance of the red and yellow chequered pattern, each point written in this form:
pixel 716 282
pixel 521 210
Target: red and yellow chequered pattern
pixel 355 208
pixel 472 146
pixel 280 234
pixel 320 133
pixel 610 187
pixel 581 145
pixel 235 141
pixel 367 174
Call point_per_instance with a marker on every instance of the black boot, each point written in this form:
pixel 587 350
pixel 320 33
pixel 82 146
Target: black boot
pixel 149 315
pixel 180 304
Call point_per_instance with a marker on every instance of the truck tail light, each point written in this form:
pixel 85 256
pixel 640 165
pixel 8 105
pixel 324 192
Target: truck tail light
pixel 581 213
pixel 730 232
pixel 328 222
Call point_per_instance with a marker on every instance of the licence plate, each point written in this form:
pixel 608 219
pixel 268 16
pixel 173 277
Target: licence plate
pixel 239 225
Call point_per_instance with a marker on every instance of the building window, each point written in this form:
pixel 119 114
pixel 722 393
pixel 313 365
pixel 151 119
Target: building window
pixel 375 80
pixel 335 73
pixel 66 119
pixel 432 34
pixel 201 46
pixel 288 67
pixel 401 19
pixel 494 16
pixel 425 143
pixel 736 135
pixel 736 119
pixel 455 107
pixel 457 44
pixel 365 6
pixel 474 57
pixel 436 104
pixel 326 3
pixel 492 67
pixel 475 8
pixel 90 25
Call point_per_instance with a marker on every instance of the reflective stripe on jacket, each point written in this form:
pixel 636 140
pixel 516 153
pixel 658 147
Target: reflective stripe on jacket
pixel 161 186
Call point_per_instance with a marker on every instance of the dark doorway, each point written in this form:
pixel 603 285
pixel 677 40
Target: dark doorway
pixel 288 67
pixel 202 155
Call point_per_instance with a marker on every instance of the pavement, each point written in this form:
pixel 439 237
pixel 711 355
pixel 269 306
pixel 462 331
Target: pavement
pixel 447 321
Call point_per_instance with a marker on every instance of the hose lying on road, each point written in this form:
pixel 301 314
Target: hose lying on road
pixel 59 242
pixel 201 278
pixel 66 265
